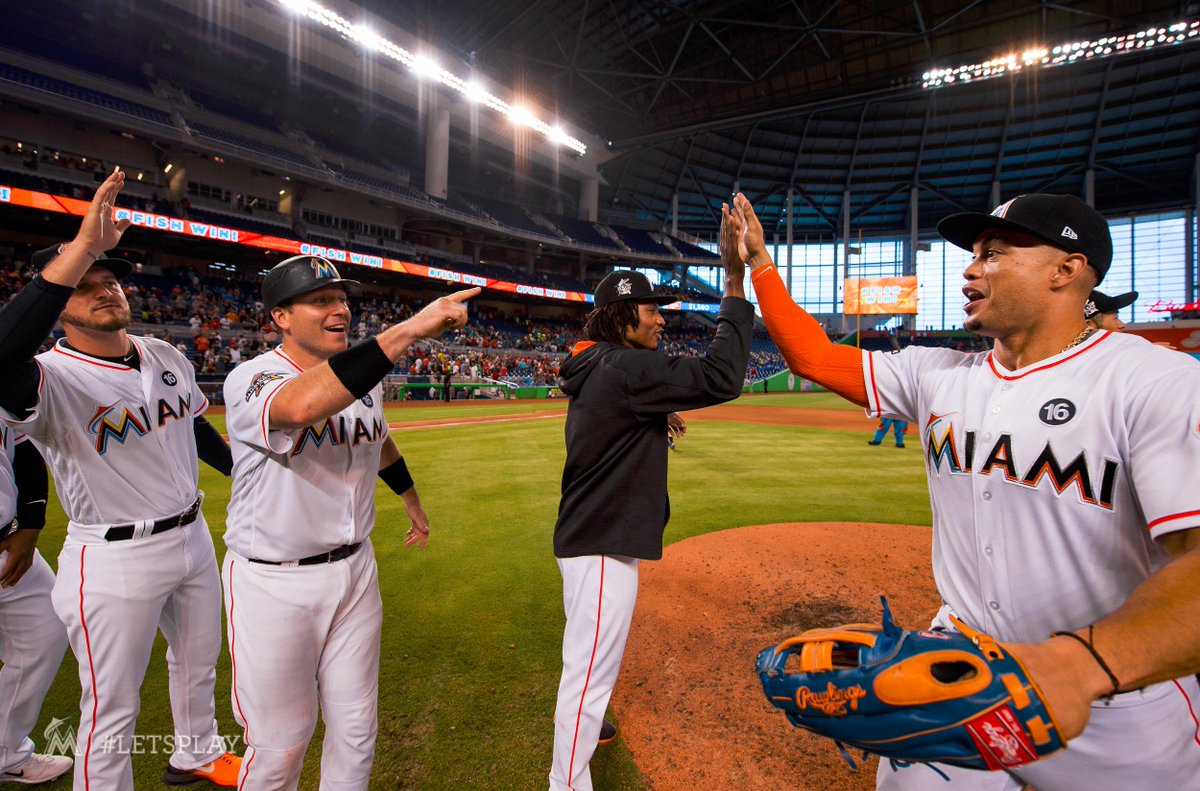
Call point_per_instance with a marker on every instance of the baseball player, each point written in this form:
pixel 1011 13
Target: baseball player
pixel 32 639
pixel 1060 467
pixel 1100 310
pixel 309 436
pixel 118 419
pixel 614 505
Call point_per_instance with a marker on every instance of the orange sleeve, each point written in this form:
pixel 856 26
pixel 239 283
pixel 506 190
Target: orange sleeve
pixel 805 346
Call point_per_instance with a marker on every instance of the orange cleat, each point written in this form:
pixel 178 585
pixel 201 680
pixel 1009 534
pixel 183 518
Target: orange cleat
pixel 222 772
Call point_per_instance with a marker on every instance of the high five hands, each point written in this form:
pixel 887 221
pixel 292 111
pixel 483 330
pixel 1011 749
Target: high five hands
pixel 742 241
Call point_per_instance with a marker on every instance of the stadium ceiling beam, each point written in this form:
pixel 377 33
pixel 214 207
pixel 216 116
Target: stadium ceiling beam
pixel 773 114
pixel 1122 174
pixel 701 194
pixel 924 30
pixel 812 204
pixel 665 78
pixel 925 185
pixel 1174 95
pixel 799 150
pixel 1059 175
pixel 728 52
pixel 916 175
pixel 683 168
pixel 515 22
pixel 895 190
pixel 1004 127
pixel 854 151
pixel 1101 103
pixel 745 151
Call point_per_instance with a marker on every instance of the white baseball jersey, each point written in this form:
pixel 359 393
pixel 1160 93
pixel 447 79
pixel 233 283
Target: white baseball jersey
pixel 8 481
pixel 1049 483
pixel 119 440
pixel 303 492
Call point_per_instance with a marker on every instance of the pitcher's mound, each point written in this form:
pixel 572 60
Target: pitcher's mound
pixel 689 703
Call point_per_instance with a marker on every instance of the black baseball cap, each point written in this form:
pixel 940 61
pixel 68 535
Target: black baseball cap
pixel 1061 220
pixel 625 284
pixel 1099 302
pixel 118 266
pixel 298 275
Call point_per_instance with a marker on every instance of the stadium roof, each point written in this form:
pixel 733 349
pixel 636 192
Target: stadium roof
pixel 699 95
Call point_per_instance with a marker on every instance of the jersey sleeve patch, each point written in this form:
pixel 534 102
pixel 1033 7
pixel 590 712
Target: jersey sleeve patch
pixel 261 380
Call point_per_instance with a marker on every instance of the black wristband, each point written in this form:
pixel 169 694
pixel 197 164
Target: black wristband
pixel 397 476
pixel 361 367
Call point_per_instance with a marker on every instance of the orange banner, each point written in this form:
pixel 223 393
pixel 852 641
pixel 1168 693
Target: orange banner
pixel 881 295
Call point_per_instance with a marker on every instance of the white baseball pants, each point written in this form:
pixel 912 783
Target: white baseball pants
pixel 302 637
pixel 599 593
pixel 114 597
pixel 1148 739
pixel 32 644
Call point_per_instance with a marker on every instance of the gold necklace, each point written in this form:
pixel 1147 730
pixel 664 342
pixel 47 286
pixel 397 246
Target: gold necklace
pixel 1080 338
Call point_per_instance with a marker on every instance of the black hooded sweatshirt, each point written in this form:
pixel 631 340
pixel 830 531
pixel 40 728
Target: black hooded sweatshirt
pixel 614 485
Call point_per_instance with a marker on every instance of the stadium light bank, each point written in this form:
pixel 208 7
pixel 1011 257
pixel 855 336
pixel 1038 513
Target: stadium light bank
pixel 1171 35
pixel 424 67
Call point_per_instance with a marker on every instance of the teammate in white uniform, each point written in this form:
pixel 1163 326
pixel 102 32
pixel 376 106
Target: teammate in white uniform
pixel 1103 311
pixel 1061 468
pixel 117 419
pixel 309 437
pixel 32 639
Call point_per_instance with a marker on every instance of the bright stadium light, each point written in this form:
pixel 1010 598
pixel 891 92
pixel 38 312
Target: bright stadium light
pixel 1070 52
pixel 523 116
pixel 425 68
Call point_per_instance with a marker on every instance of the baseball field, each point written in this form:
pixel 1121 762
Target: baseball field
pixel 472 626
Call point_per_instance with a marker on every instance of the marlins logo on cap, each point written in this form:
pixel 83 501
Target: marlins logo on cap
pixel 322 269
pixel 299 275
pixel 626 284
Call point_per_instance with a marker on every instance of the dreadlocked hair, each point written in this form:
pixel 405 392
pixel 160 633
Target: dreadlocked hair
pixel 610 322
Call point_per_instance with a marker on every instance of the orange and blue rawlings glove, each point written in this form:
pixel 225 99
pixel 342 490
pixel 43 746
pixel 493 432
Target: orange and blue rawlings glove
pixel 931 696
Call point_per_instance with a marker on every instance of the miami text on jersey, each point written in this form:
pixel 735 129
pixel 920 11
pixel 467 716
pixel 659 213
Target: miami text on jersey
pixel 337 432
pixel 107 422
pixel 959 459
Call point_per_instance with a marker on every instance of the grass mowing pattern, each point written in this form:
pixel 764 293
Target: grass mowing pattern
pixel 473 624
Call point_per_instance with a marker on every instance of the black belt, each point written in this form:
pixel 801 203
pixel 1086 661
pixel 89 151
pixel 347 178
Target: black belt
pixel 126 532
pixel 341 553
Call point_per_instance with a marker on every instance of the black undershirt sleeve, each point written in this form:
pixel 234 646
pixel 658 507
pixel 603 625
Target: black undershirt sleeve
pixel 25 322
pixel 211 449
pixel 33 486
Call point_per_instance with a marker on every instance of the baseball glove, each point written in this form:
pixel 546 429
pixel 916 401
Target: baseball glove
pixel 959 699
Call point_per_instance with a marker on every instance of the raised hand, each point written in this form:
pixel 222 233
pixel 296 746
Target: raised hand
pixel 443 314
pixel 752 244
pixel 733 258
pixel 99 232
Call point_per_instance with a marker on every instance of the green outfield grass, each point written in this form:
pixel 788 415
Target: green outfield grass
pixel 472 628
pixel 820 399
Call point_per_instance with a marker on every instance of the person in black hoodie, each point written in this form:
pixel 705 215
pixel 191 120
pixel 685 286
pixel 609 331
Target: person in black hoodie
pixel 614 505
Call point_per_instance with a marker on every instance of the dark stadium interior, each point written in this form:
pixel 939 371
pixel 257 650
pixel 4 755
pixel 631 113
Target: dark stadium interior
pixel 676 101
pixel 696 95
